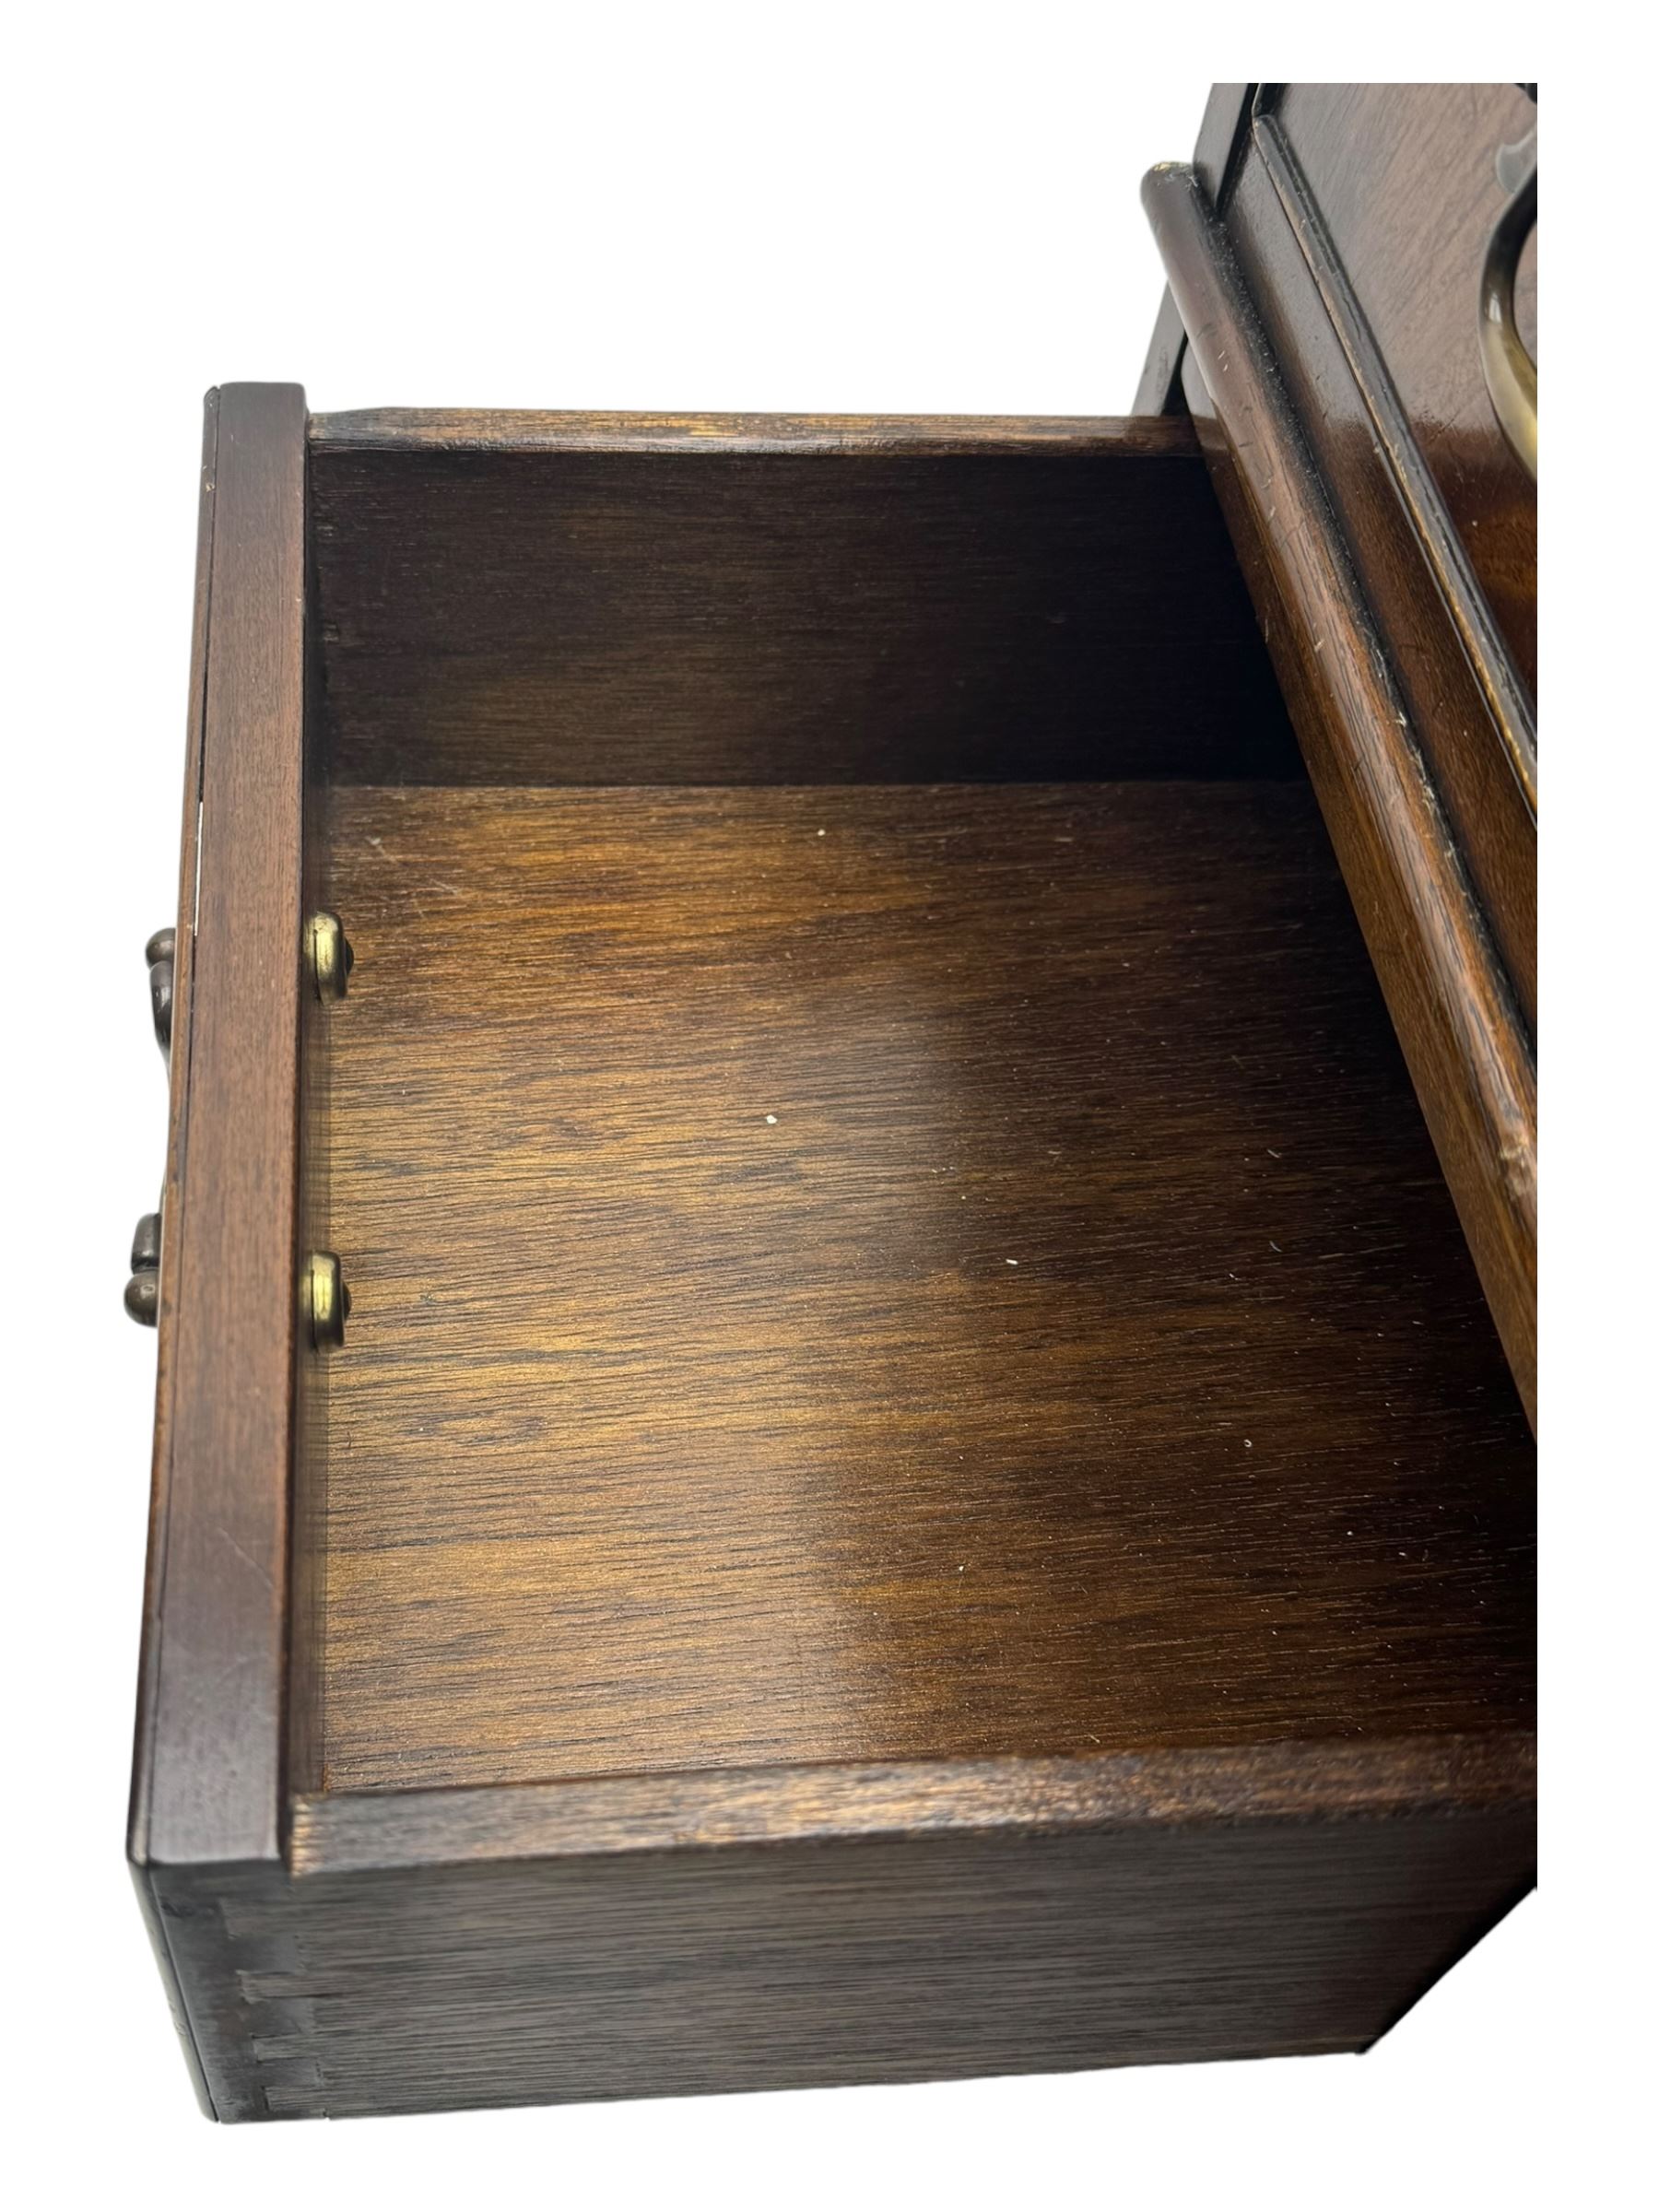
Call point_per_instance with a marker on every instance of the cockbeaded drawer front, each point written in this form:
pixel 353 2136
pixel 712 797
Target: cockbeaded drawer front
pixel 1352 268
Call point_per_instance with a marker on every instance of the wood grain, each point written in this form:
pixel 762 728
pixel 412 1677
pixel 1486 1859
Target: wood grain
pixel 1083 1355
pixel 208 1781
pixel 1386 1779
pixel 1467 1047
pixel 1469 705
pixel 178 1093
pixel 520 430
pixel 878 1958
pixel 1405 180
pixel 919 1483
pixel 564 605
pixel 1158 391
pixel 173 1981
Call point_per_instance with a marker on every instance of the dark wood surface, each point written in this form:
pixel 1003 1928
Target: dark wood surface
pixel 1084 1353
pixel 520 430
pixel 303 1747
pixel 1389 1778
pixel 571 603
pixel 1158 391
pixel 1360 215
pixel 1463 1034
pixel 155 1923
pixel 903 1957
pixel 208 1784
pixel 178 1093
pixel 1406 181
pixel 1469 707
pixel 640 1488
pixel 1223 131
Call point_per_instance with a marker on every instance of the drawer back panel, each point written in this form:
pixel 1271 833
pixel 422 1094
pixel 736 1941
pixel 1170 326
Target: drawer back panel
pixel 704 615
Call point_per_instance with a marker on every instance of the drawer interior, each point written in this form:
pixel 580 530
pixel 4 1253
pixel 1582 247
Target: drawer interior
pixel 884 1214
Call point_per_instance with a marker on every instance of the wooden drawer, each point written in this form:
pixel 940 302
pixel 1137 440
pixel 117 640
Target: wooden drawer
pixel 918 1479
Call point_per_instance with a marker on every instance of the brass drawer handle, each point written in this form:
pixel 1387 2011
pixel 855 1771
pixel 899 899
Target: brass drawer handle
pixel 1512 374
pixel 159 955
pixel 325 1301
pixel 146 1262
pixel 143 1282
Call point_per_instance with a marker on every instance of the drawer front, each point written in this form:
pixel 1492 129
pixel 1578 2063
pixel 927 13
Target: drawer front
pixel 1328 270
pixel 1409 183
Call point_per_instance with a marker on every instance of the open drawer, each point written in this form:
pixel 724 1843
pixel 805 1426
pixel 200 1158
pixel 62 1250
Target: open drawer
pixel 918 1480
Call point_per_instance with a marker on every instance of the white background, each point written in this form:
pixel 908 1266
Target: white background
pixel 841 208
